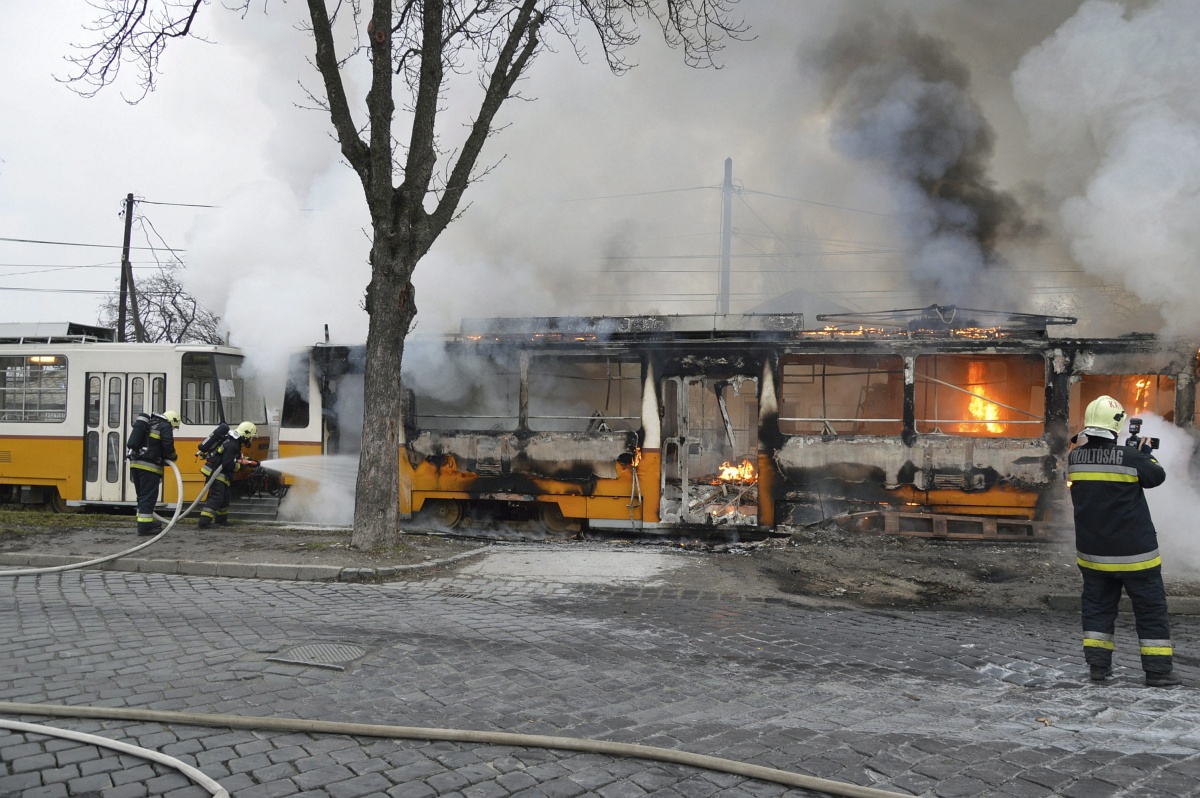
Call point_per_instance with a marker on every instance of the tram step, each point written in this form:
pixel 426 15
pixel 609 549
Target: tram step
pixel 254 508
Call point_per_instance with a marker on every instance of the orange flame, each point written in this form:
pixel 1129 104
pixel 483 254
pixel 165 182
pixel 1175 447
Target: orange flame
pixel 1141 396
pixel 979 407
pixel 737 473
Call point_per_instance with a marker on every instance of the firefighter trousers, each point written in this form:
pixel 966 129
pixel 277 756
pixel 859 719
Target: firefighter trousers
pixel 146 484
pixel 216 506
pixel 1101 599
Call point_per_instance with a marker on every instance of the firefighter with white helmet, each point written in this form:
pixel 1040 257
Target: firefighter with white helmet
pixel 1116 543
pixel 151 443
pixel 226 455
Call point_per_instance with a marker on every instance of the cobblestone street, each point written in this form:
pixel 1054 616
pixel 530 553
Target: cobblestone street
pixel 928 703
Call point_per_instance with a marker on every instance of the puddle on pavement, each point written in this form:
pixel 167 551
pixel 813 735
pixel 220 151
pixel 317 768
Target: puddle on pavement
pixel 575 567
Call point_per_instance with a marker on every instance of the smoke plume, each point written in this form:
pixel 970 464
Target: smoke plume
pixel 900 99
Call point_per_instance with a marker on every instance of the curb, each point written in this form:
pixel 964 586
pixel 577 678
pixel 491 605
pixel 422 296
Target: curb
pixel 238 570
pixel 1176 605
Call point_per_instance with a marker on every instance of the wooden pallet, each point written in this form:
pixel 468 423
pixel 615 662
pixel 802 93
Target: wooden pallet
pixel 952 527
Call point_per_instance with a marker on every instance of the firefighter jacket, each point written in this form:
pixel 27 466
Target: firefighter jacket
pixel 158 449
pixel 1113 529
pixel 227 456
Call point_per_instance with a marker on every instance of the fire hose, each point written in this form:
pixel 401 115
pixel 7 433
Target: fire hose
pixel 125 748
pixel 179 513
pixel 605 747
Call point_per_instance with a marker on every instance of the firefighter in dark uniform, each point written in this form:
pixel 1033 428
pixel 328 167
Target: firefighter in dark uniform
pixel 1116 544
pixel 151 445
pixel 227 456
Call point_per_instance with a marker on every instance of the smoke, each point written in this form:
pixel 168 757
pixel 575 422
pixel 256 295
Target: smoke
pixel 900 99
pixel 1173 504
pixel 1112 105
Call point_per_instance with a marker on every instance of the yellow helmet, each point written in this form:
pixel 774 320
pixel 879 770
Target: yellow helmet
pixel 1104 413
pixel 172 417
pixel 246 430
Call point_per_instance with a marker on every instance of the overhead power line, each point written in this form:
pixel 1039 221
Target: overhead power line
pixel 176 204
pixel 76 244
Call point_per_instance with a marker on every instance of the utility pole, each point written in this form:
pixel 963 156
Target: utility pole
pixel 128 290
pixel 726 237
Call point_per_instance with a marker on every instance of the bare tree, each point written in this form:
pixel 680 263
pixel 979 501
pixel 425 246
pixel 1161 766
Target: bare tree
pixel 167 311
pixel 413 183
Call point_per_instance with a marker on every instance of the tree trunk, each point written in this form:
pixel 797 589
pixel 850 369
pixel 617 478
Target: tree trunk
pixel 391 305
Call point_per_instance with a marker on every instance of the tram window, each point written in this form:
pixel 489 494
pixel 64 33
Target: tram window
pixel 197 374
pixel 476 391
pixel 841 395
pixel 112 459
pixel 295 395
pixel 93 402
pixel 241 399
pixel 114 401
pixel 1139 394
pixel 584 394
pixel 33 388
pixel 137 390
pixel 158 394
pixel 191 409
pixel 91 455
pixel 981 395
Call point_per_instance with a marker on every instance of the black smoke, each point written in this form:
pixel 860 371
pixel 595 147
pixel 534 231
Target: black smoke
pixel 900 99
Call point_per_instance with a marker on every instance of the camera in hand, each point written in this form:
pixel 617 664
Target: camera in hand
pixel 1135 436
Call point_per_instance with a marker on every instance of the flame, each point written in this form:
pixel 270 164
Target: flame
pixel 737 473
pixel 979 407
pixel 1141 396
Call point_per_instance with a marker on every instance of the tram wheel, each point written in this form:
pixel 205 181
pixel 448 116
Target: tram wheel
pixel 56 504
pixel 552 521
pixel 445 513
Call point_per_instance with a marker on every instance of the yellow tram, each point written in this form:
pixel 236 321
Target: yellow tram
pixel 68 396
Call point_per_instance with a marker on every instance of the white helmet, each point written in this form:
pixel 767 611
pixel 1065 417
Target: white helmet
pixel 173 418
pixel 246 430
pixel 1104 413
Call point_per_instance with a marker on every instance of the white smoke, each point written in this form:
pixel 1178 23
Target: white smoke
pixel 1175 504
pixel 1112 103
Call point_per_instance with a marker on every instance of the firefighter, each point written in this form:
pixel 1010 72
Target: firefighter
pixel 1116 544
pixel 226 455
pixel 151 444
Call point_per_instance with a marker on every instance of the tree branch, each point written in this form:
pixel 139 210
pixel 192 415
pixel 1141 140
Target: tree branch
pixel 353 147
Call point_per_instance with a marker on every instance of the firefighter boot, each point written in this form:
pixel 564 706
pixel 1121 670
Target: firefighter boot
pixel 205 522
pixel 1168 679
pixel 1100 673
pixel 146 529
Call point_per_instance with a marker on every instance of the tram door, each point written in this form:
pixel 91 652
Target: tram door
pixel 114 400
pixel 708 425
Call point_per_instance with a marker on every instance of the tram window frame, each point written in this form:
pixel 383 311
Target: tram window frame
pixel 213 389
pixel 804 396
pixel 238 394
pixel 1139 394
pixel 618 381
pixel 297 405
pixel 471 390
pixel 196 375
pixel 33 388
pixel 944 377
